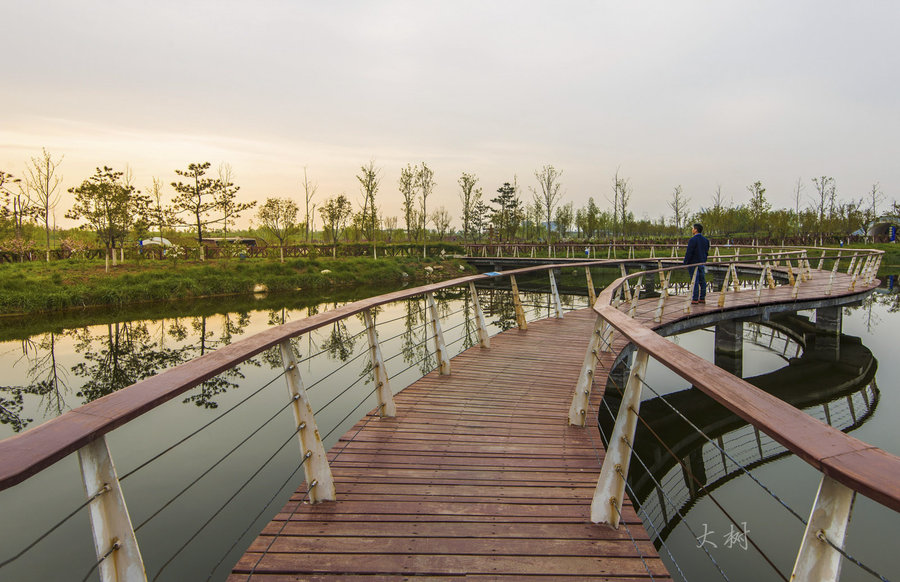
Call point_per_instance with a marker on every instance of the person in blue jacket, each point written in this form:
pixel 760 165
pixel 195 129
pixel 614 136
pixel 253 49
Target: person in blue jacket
pixel 697 251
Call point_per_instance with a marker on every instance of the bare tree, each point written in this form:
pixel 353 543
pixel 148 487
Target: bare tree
pixel 369 182
pixel 623 195
pixel 425 185
pixel 679 206
pixel 390 225
pixel 42 183
pixel 160 216
pixel 441 220
pixel 408 191
pixel 875 197
pixel 309 190
pixel 15 204
pixel 825 193
pixel 798 196
pixel 549 195
pixel 226 197
pixel 469 196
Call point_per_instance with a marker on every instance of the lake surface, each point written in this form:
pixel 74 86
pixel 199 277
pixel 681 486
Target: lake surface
pixel 56 363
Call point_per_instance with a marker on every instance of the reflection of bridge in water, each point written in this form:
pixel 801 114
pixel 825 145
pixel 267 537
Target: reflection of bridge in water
pixel 829 377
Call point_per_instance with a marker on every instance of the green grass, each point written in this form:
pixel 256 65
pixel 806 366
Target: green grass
pixel 37 286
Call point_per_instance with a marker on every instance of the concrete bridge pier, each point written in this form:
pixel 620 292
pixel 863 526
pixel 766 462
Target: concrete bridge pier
pixel 729 352
pixel 827 344
pixel 829 320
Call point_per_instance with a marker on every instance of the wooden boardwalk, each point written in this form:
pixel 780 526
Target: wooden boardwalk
pixel 478 476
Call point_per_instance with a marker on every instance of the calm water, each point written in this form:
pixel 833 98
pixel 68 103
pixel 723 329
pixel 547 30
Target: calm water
pixel 55 364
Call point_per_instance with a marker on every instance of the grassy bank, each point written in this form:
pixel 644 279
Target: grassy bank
pixel 35 287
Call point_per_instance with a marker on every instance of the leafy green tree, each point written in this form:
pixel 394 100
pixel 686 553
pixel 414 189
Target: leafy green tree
pixel 15 204
pixel 508 213
pixel 425 185
pixel 759 206
pixel 197 196
pixel 109 205
pixel 278 216
pixel 335 212
pixel 159 215
pixel 564 216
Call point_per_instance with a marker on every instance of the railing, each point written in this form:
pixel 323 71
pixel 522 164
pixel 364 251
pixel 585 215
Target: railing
pixel 847 465
pixel 83 431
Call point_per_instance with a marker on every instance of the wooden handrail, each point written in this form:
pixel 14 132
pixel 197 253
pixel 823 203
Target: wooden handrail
pixel 26 454
pixel 854 463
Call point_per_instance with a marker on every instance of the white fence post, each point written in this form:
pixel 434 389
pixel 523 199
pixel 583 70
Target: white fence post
pixel 484 339
pixel 517 302
pixel 607 502
pixel 386 406
pixel 817 561
pixel 114 540
pixel 316 468
pixel 439 345
pixel 557 304
pixel 578 409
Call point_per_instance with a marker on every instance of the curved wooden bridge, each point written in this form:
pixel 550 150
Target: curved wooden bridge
pixel 480 476
pixel 497 469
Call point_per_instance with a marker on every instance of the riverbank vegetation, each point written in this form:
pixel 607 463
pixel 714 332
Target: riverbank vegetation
pixel 39 286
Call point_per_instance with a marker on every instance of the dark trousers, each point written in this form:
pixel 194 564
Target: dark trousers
pixel 699 291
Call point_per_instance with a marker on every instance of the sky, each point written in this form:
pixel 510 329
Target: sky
pixel 697 94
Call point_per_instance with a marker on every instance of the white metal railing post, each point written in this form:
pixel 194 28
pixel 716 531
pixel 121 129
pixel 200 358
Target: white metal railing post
pixel 852 263
pixel 592 293
pixel 808 268
pixel 769 278
pixel 607 502
pixel 816 560
pixel 759 287
pixel 439 345
pixel 690 293
pixel 821 262
pixel 484 339
pixel 855 275
pixel 114 540
pixel 557 304
pixel 724 292
pixel 316 468
pixel 834 269
pixel 635 296
pixel 386 406
pixel 625 284
pixel 790 270
pixel 578 409
pixel 517 302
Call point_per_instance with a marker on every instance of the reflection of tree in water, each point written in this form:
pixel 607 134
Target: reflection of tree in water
pixel 121 357
pixel 339 344
pixel 413 340
pixel 499 305
pixel 48 381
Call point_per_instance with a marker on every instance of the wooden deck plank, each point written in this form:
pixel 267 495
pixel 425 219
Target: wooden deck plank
pixel 479 474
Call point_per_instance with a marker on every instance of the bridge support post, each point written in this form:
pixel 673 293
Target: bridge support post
pixel 607 503
pixel 439 345
pixel 386 406
pixel 579 407
pixel 729 346
pixel 484 339
pixel 817 560
pixel 517 302
pixel 114 540
pixel 557 304
pixel 315 463
pixel 592 292
pixel 829 319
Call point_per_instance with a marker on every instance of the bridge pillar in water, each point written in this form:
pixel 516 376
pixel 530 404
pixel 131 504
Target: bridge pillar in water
pixel 829 321
pixel 729 352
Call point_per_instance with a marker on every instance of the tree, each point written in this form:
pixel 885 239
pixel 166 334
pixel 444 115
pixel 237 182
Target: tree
pixel 623 195
pixel 758 206
pixel 825 192
pixel 441 220
pixel 480 218
pixel 309 190
pixel 469 196
pixel 425 185
pixel 335 212
pixel 549 195
pixel 369 182
pixel 15 205
pixel 158 215
pixel 108 204
pixel 679 206
pixel 798 196
pixel 226 198
pixel 508 212
pixel 408 191
pixel 197 197
pixel 874 198
pixel 42 183
pixel 565 215
pixel 279 217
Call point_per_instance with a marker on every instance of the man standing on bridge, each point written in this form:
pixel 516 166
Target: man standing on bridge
pixel 697 251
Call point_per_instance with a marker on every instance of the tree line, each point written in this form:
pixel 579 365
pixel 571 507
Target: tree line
pixel 109 205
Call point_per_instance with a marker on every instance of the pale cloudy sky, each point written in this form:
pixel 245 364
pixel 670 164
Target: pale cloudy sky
pixel 693 93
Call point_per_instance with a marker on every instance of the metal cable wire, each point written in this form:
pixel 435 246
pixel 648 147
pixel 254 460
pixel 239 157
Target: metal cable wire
pixel 227 501
pixel 427 355
pixel 338 369
pixel 55 527
pixel 346 416
pixel 214 465
pixel 252 521
pixel 344 391
pixel 841 551
pixel 108 553
pixel 216 419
